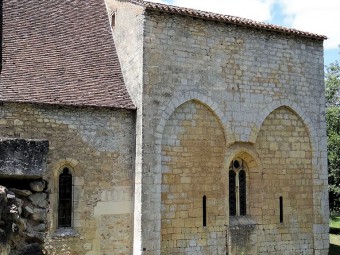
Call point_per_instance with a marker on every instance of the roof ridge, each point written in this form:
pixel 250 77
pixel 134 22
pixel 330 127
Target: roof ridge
pixel 225 18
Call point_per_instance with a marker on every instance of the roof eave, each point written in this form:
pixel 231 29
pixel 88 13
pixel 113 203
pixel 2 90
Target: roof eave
pixel 225 19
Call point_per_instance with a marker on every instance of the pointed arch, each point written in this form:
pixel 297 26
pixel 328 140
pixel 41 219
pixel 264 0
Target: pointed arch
pixel 295 108
pixel 284 144
pixel 193 145
pixel 66 192
pixel 182 97
pixel 245 152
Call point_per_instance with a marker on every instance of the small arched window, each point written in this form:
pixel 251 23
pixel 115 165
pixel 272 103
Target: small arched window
pixel 65 199
pixel 237 188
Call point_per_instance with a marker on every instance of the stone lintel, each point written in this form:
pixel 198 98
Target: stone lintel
pixel 23 158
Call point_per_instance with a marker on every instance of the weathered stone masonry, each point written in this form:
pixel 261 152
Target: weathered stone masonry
pixel 242 75
pixel 97 145
pixel 158 115
pixel 192 156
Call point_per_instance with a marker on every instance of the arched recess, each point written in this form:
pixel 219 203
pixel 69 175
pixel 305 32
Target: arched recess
pixel 193 181
pixel 182 97
pixel 285 149
pixel 292 106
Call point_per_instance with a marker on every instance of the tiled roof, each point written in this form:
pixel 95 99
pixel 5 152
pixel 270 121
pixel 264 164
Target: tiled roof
pixel 60 52
pixel 224 18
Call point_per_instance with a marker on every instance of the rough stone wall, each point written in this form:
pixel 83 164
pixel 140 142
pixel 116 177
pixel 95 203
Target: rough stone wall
pixel 243 75
pixel 128 38
pixel 98 147
pixel 22 158
pixel 192 156
pixel 23 216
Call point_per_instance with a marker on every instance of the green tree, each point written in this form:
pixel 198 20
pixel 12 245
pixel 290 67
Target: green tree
pixel 332 92
pixel 333 85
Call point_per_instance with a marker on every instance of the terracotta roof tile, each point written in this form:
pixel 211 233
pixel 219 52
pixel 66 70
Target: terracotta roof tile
pixel 60 52
pixel 224 18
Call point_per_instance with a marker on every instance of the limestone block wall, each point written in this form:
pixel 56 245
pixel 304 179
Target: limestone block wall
pixel 192 167
pixel 285 151
pixel 242 75
pixel 128 37
pixel 97 145
pixel 127 29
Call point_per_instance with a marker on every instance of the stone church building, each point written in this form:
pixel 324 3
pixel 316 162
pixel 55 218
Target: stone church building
pixel 129 128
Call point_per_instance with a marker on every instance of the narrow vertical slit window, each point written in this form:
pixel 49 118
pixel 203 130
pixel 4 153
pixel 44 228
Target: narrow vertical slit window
pixel 65 199
pixel 113 20
pixel 281 210
pixel 204 211
pixel 232 193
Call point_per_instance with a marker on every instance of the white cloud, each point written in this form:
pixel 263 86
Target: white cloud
pixel 253 9
pixel 159 1
pixel 316 16
pixel 322 17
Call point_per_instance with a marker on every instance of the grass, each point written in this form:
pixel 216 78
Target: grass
pixel 334 236
pixel 334 221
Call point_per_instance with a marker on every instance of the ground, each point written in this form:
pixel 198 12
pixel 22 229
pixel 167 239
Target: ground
pixel 334 236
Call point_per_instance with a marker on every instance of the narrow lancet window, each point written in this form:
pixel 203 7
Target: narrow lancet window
pixel 281 210
pixel 65 199
pixel 232 193
pixel 243 192
pixel 237 188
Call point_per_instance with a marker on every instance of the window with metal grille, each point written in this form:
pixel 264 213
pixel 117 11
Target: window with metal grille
pixel 243 192
pixel 237 188
pixel 65 199
pixel 232 193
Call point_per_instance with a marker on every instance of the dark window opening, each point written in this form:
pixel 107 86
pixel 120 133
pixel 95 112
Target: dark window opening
pixel 237 188
pixel 232 193
pixel 236 164
pixel 113 20
pixel 16 182
pixel 243 192
pixel 204 211
pixel 281 209
pixel 65 199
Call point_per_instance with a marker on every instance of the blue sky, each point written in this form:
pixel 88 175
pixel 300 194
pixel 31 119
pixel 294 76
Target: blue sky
pixel 321 17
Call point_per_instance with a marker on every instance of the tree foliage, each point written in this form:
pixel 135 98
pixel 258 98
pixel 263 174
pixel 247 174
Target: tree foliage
pixel 333 133
pixel 333 85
